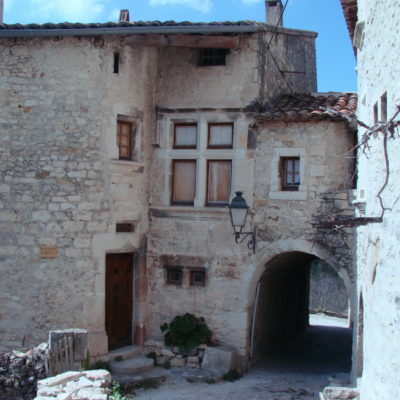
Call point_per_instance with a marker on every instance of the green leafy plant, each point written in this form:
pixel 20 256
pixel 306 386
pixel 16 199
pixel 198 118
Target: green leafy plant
pixel 116 392
pixel 186 332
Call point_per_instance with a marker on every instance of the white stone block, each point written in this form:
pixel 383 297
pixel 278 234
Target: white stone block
pixel 60 379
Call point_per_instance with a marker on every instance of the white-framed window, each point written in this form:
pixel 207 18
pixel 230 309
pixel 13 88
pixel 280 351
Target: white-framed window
pixel 201 162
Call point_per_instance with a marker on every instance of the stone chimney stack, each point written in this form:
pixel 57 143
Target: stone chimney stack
pixel 123 16
pixel 274 9
pixel 1 11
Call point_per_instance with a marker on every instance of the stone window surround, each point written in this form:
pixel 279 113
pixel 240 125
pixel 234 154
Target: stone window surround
pixel 186 275
pixel 201 154
pixel 276 193
pixel 125 113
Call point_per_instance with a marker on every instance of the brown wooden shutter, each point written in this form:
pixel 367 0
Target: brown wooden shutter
pixel 124 140
pixel 218 181
pixel 184 181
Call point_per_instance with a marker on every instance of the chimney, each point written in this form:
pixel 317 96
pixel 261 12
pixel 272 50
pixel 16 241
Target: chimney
pixel 1 11
pixel 274 11
pixel 123 15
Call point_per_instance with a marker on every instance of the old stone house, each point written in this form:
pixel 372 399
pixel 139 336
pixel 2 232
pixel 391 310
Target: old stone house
pixel 374 29
pixel 121 146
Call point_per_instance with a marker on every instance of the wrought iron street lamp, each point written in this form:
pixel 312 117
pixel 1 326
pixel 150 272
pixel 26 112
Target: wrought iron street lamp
pixel 238 210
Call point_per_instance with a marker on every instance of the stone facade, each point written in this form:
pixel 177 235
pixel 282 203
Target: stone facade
pixel 63 188
pixel 377 44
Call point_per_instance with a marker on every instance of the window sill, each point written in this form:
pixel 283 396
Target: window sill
pixel 138 166
pixel 207 213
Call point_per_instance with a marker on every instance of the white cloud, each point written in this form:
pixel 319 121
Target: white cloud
pixel 71 10
pixel 200 5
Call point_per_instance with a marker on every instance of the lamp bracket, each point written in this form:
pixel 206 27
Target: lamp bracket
pixel 251 244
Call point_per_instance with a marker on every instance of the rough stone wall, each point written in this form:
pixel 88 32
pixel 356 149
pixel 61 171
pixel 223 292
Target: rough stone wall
pixel 286 222
pixel 295 57
pixel 378 57
pixel 19 372
pixel 327 290
pixel 59 185
pixel 62 189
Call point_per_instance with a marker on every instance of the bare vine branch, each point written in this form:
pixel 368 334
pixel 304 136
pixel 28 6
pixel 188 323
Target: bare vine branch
pixel 386 130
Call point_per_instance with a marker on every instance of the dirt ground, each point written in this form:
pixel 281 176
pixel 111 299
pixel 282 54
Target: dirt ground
pixel 298 370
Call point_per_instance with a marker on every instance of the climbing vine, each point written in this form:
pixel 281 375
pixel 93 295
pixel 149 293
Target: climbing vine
pixel 384 130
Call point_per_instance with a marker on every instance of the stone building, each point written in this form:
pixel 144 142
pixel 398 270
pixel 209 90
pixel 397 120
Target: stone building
pixel 121 146
pixel 374 28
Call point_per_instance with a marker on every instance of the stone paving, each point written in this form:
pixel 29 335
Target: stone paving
pixel 299 370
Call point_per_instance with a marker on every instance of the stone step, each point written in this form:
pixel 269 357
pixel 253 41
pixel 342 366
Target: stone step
pixel 122 354
pixel 147 379
pixel 132 366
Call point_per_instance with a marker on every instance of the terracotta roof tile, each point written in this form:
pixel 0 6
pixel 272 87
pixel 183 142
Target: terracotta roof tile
pixel 135 24
pixel 350 14
pixel 306 107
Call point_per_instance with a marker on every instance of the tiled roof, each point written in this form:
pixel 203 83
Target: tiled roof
pixel 306 107
pixel 350 14
pixel 136 24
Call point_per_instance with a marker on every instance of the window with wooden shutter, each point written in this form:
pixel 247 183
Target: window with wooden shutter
pixel 290 173
pixel 183 181
pixel 124 140
pixel 219 174
pixel 220 136
pixel 185 136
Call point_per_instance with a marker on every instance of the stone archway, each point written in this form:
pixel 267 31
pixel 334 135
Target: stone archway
pixel 280 306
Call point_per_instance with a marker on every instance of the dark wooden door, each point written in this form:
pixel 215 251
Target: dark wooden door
pixel 119 297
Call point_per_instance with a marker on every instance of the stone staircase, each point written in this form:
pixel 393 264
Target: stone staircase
pixel 132 369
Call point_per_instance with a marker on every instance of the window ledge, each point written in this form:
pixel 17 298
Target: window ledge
pixel 221 213
pixel 138 166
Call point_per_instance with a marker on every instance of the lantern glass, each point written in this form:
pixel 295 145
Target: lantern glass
pixel 238 217
pixel 238 211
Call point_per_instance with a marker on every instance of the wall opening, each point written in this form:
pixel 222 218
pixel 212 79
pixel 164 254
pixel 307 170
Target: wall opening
pixel 283 328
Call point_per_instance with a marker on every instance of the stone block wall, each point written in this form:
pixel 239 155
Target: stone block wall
pixel 378 277
pixel 58 190
pixel 286 222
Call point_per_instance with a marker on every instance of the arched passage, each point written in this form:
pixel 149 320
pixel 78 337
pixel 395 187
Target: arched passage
pixel 281 312
pixel 281 307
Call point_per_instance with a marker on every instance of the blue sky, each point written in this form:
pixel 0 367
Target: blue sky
pixel 335 58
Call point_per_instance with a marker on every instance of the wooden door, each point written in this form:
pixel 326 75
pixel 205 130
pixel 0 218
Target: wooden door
pixel 119 298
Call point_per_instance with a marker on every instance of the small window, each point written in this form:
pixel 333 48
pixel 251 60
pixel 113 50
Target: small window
pixel 174 276
pixel 183 181
pixel 122 227
pixel 220 136
pixel 212 57
pixel 290 173
pixel 218 182
pixel 197 278
pixel 185 136
pixel 376 113
pixel 124 140
pixel 384 107
pixel 116 63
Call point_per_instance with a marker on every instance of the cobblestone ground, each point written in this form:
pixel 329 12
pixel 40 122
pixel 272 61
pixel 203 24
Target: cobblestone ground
pixel 299 370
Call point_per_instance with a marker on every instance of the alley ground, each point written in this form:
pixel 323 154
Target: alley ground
pixel 299 370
